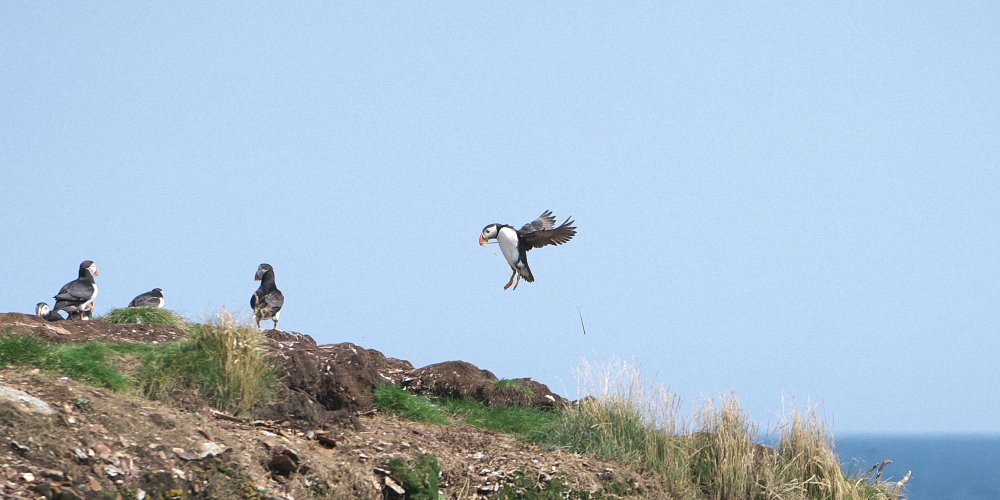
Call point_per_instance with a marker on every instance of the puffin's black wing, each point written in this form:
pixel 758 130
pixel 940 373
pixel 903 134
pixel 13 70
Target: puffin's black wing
pixel 544 222
pixel 274 300
pixel 148 299
pixel 543 232
pixel 76 290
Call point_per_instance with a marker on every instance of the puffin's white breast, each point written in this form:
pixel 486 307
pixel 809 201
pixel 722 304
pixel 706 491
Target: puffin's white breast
pixel 507 237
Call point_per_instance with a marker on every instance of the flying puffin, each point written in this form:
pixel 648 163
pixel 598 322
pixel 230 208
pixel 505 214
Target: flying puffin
pixel 152 298
pixel 77 295
pixel 267 300
pixel 42 311
pixel 515 243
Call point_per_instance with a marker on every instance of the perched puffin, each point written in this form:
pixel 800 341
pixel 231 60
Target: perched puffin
pixel 86 315
pixel 152 298
pixel 42 311
pixel 88 312
pixel 515 243
pixel 77 295
pixel 267 300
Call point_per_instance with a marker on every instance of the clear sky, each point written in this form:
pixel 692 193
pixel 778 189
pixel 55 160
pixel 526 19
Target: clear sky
pixel 782 199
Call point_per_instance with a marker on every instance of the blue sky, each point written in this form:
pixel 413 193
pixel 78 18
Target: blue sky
pixel 779 199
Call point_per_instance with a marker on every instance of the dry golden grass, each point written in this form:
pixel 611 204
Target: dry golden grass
pixel 239 372
pixel 713 454
pixel 224 358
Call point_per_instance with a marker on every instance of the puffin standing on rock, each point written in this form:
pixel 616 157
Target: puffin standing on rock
pixel 152 298
pixel 515 243
pixel 267 300
pixel 78 295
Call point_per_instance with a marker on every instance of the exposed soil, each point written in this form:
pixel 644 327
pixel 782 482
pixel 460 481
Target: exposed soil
pixel 319 438
pixel 85 331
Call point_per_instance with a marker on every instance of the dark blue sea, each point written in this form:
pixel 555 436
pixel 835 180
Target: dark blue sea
pixel 945 467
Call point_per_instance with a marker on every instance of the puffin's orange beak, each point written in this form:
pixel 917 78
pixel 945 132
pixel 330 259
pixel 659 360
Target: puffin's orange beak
pixel 96 273
pixel 480 239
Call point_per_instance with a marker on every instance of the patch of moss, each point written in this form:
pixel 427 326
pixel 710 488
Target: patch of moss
pixel 419 477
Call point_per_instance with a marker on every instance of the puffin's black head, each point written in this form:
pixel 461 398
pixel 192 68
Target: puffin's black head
pixel 489 232
pixel 42 309
pixel 158 292
pixel 88 266
pixel 261 270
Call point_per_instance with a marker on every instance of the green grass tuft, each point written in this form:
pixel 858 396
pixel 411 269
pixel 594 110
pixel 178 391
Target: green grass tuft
pixel 93 362
pixel 419 478
pixel 90 362
pixel 507 385
pixel 391 399
pixel 530 423
pixel 151 315
pixel 20 350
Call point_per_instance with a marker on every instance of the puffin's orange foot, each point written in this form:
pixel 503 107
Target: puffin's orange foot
pixel 511 281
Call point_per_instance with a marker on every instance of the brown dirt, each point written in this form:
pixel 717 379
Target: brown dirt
pixel 128 443
pixel 85 331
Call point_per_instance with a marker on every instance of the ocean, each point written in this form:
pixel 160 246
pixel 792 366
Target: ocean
pixel 945 467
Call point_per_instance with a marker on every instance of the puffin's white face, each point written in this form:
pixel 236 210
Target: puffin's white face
pixel 489 233
pixel 42 309
pixel 93 269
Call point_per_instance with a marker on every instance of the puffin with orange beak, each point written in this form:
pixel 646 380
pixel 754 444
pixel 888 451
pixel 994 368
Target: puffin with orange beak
pixel 77 296
pixel 267 300
pixel 515 243
pixel 42 311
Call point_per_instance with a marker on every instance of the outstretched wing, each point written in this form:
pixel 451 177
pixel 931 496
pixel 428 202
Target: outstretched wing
pixel 543 231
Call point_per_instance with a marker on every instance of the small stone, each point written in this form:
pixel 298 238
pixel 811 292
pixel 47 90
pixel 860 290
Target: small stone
pixel 185 455
pixel 43 489
pixel 362 457
pixel 19 448
pixel 93 484
pixel 54 474
pixel 28 477
pixel 394 486
pixel 211 449
pixel 113 471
